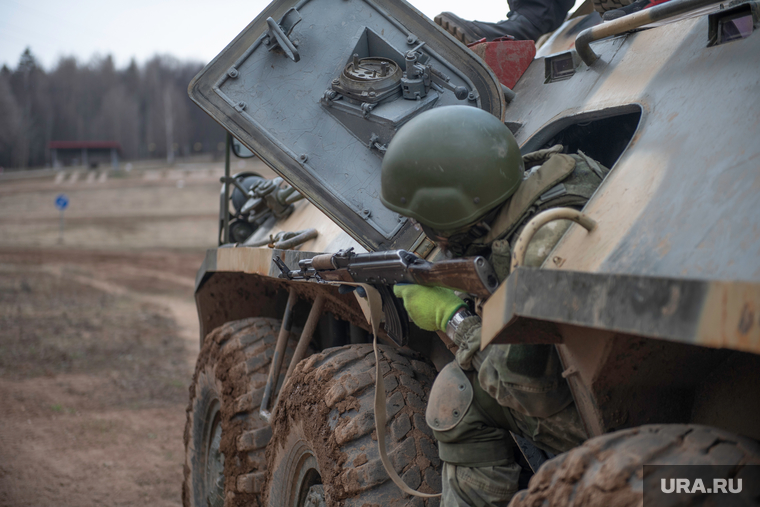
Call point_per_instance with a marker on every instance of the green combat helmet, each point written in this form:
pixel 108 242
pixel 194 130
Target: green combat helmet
pixel 449 166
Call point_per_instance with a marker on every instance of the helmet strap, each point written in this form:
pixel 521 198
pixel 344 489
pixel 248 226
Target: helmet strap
pixel 458 243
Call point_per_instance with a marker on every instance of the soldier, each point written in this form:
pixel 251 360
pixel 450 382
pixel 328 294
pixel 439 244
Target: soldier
pixel 526 20
pixel 458 172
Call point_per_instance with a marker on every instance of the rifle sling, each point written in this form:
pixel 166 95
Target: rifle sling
pixel 375 305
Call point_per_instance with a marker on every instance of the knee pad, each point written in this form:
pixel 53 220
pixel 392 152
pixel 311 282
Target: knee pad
pixel 450 398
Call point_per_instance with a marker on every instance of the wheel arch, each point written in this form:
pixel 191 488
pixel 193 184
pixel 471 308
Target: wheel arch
pixel 622 380
pixel 229 295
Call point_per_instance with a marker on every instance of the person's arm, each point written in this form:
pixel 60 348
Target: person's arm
pixel 440 309
pixel 464 330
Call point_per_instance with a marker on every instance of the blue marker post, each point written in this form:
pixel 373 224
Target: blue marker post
pixel 61 202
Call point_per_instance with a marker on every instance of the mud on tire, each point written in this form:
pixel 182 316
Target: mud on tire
pixel 607 470
pixel 223 421
pixel 324 440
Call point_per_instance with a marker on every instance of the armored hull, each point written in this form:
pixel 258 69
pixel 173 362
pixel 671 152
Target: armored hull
pixel 654 313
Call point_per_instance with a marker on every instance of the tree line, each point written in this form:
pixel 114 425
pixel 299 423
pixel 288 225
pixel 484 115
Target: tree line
pixel 144 108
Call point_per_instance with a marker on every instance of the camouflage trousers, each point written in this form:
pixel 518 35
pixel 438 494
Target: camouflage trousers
pixel 479 486
pixel 479 453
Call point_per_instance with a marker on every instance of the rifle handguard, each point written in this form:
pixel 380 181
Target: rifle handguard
pixel 322 262
pixel 486 282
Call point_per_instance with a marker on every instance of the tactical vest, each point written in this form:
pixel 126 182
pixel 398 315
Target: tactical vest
pixel 552 180
pixel 560 180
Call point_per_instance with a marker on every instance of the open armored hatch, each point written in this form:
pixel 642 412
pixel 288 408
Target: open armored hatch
pixel 318 88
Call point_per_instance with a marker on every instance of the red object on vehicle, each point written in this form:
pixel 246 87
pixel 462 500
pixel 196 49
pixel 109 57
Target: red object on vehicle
pixel 509 59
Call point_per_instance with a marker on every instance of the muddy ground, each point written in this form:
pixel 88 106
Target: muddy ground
pixel 98 331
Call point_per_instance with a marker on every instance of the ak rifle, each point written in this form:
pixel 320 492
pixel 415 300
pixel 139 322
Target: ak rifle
pixel 473 275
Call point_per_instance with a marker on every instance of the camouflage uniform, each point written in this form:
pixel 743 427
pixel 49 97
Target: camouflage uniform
pixel 516 388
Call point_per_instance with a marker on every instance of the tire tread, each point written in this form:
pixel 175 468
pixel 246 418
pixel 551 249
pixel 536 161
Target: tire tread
pixel 348 374
pixel 247 347
pixel 607 470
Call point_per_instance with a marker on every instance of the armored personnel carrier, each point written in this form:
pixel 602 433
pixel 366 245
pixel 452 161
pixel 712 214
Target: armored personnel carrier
pixel 655 313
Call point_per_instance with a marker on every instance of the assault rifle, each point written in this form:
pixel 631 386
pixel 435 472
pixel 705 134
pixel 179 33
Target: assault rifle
pixel 473 275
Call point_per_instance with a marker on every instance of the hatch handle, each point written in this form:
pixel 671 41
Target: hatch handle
pixel 281 31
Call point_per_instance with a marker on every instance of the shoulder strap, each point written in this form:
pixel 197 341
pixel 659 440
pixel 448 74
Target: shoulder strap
pixel 541 179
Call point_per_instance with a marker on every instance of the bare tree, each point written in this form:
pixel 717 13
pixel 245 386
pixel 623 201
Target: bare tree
pixel 145 109
pixel 10 121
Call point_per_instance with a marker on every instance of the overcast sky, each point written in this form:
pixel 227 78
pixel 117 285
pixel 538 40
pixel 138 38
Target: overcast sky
pixel 187 29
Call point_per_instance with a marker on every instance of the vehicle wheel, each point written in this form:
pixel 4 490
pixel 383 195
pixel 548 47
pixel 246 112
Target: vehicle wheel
pixel 607 470
pixel 601 6
pixel 225 437
pixel 324 451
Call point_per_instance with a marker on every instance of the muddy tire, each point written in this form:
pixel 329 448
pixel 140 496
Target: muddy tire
pixel 325 446
pixel 225 437
pixel 607 470
pixel 601 6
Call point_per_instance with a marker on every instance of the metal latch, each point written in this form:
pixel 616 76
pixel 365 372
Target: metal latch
pixel 278 35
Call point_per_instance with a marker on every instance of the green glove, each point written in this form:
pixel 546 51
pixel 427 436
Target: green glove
pixel 430 308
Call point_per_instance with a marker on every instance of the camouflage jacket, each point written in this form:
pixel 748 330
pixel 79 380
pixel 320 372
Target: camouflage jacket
pixel 528 378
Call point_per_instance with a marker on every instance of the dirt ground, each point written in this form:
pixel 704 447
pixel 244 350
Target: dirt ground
pixel 98 331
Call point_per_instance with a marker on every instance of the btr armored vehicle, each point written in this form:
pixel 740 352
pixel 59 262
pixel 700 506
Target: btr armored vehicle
pixel 655 313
